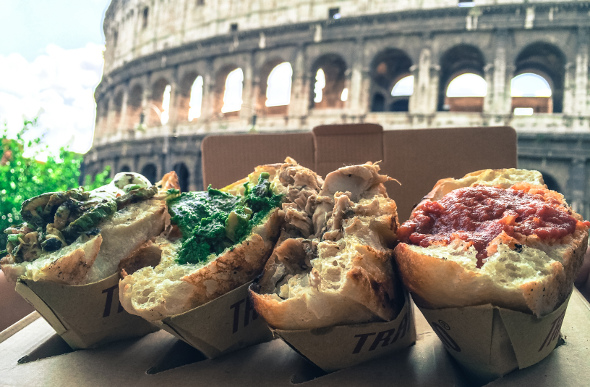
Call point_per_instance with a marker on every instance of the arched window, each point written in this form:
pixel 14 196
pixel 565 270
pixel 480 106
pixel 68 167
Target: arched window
pixel 125 168
pixel 378 103
pixel 183 176
pixel 400 94
pixel 318 88
pixel 404 87
pixel 467 85
pixel 196 99
pixel 538 61
pixel 278 90
pixel 150 172
pixel 391 80
pixel 551 182
pixel 531 93
pixel 165 115
pixel 344 95
pixel 232 95
pixel 461 86
pixel 329 80
pixel 465 93
pixel 159 105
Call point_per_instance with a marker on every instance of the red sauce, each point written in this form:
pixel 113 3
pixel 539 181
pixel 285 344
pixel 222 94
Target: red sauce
pixel 479 214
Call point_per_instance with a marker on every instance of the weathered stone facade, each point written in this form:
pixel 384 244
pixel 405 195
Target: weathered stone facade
pixel 367 45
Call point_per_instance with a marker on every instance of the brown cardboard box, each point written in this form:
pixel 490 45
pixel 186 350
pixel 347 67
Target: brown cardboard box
pixel 491 342
pixel 337 347
pixel 417 158
pixel 84 316
pixel 223 325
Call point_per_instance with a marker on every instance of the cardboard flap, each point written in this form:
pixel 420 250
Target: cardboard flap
pixel 222 325
pixel 460 328
pixel 545 330
pixel 340 145
pixel 41 307
pixel 417 158
pixel 491 341
pixel 84 315
pixel 337 347
pixel 229 158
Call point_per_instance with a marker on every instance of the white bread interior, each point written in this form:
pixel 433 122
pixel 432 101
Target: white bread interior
pixel 535 278
pixel 342 273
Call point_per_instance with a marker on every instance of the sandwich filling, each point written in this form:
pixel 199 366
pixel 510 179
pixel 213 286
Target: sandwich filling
pixel 213 220
pixel 484 216
pixel 57 219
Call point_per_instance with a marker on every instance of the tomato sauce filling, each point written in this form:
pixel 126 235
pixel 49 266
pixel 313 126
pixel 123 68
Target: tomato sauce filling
pixel 479 214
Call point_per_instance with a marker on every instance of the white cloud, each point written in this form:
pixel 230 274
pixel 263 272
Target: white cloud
pixel 58 87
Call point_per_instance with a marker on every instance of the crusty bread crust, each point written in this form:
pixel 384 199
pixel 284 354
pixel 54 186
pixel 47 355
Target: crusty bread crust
pixel 70 267
pixel 342 273
pixel 441 277
pixel 366 293
pixel 169 289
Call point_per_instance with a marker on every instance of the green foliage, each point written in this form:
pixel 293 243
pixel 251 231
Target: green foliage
pixel 24 177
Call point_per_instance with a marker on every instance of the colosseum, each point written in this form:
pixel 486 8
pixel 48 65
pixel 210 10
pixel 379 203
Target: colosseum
pixel 178 70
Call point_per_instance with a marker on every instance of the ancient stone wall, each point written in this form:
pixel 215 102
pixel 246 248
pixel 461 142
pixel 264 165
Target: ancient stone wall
pixel 364 47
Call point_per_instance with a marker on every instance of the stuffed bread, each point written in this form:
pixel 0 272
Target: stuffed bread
pixel 495 237
pixel 341 272
pixel 219 240
pixel 78 237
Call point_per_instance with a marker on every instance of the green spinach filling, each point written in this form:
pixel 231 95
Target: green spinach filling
pixel 213 220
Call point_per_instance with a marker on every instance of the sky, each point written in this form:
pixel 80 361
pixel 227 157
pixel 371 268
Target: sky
pixel 51 59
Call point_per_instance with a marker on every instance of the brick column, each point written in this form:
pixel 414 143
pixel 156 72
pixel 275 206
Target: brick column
pixel 123 114
pixel 299 105
pixel 426 78
pixel 355 84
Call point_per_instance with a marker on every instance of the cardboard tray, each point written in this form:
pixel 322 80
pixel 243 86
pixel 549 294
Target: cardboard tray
pixel 84 315
pixel 223 325
pixel 161 359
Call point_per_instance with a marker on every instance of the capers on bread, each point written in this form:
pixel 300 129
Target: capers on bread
pixel 340 271
pixel 77 237
pixel 218 240
pixel 497 237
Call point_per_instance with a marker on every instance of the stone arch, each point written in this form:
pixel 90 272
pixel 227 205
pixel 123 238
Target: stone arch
pixel 150 171
pixel 261 100
pixel 456 61
pixel 551 182
pixel 184 94
pixel 156 108
pixel 183 176
pixel 334 70
pixel 219 90
pixel 125 168
pixel 387 68
pixel 134 107
pixel 548 61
